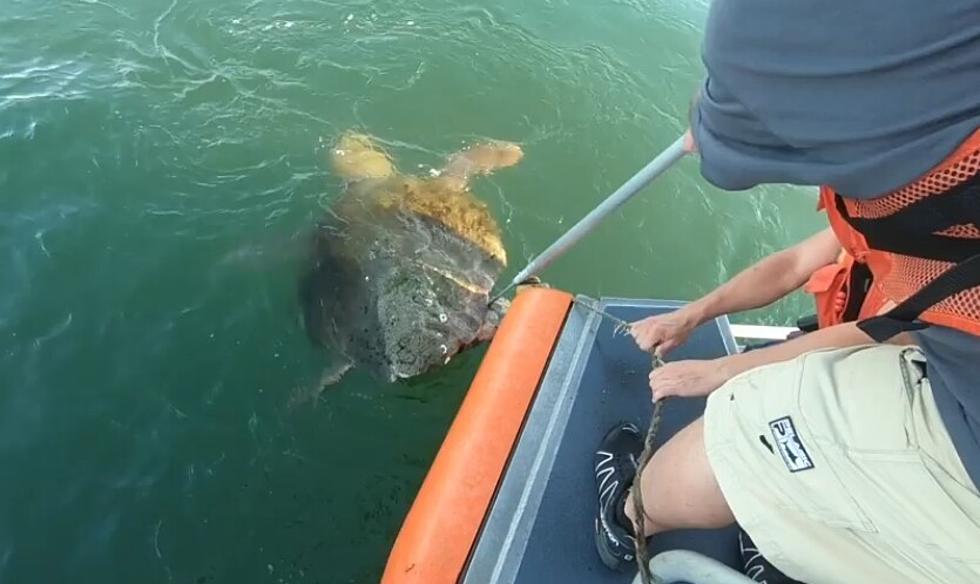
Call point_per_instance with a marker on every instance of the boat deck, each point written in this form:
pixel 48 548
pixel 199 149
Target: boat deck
pixel 539 529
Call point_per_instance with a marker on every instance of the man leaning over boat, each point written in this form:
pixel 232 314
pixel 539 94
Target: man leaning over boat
pixel 852 453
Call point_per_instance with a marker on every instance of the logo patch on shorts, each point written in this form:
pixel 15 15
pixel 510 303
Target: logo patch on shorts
pixel 789 444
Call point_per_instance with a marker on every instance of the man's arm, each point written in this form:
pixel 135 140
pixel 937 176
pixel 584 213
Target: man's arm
pixel 770 279
pixel 697 377
pixel 834 337
pixel 762 284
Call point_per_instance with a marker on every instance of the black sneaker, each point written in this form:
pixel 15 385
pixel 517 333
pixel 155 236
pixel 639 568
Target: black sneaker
pixel 615 467
pixel 756 566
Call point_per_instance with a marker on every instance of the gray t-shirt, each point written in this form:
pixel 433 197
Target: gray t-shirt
pixel 953 368
pixel 864 96
pixel 861 95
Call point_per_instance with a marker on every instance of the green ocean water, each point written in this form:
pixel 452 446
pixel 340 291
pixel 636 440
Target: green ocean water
pixel 161 165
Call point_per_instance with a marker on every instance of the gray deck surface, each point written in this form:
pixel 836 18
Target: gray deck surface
pixel 540 529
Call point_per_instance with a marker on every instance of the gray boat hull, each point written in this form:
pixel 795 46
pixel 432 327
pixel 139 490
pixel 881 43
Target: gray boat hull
pixel 540 527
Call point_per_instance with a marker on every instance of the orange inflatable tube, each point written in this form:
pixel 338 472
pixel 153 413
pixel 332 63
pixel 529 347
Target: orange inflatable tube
pixel 442 526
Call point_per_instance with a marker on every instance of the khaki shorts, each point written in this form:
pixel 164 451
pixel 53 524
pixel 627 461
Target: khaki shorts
pixel 839 467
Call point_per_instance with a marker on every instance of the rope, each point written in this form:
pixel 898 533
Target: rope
pixel 642 556
pixel 621 325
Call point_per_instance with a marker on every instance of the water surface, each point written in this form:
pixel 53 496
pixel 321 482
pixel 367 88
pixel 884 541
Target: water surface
pixel 160 165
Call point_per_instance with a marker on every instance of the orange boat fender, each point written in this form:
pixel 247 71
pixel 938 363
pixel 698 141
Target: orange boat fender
pixel 443 524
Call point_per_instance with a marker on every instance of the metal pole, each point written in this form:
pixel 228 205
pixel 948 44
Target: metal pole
pixel 587 224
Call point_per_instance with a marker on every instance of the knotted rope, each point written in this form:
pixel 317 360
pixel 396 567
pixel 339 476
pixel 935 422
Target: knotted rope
pixel 642 556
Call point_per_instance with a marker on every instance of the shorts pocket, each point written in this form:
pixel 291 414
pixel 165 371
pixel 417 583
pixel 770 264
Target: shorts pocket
pixel 820 493
pixel 921 511
pixel 781 451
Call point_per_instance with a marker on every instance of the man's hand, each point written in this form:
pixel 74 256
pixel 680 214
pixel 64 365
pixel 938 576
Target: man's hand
pixel 690 146
pixel 690 378
pixel 663 332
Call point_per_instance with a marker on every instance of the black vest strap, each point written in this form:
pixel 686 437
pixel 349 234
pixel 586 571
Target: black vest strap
pixel 858 283
pixel 960 277
pixel 912 230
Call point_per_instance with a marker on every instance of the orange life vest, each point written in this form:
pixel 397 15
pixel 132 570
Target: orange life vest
pixel 921 244
pixel 842 292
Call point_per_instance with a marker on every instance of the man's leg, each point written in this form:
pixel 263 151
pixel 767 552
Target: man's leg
pixel 679 490
pixel 679 487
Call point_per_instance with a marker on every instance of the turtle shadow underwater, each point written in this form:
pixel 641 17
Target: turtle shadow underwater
pixel 401 267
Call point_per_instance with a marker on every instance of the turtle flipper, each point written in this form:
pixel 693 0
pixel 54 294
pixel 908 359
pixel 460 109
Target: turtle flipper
pixel 309 394
pixel 482 158
pixel 335 372
pixel 357 157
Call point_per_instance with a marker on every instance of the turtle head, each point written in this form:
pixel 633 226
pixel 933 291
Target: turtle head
pixel 495 315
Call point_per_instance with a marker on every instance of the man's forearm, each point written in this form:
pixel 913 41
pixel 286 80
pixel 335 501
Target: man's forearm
pixel 839 336
pixel 770 279
pixel 755 287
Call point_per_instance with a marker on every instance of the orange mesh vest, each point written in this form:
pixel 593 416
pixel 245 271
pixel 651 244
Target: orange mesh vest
pixel 922 245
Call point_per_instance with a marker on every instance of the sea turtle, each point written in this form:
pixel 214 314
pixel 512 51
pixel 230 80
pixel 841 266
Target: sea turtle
pixel 402 266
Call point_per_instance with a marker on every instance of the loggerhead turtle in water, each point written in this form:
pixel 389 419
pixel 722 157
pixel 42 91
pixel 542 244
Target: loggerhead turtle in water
pixel 402 266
